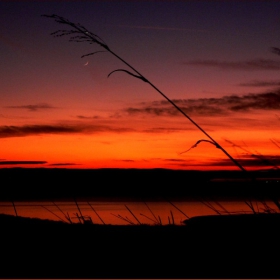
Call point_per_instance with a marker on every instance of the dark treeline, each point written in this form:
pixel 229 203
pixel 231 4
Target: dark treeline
pixel 53 184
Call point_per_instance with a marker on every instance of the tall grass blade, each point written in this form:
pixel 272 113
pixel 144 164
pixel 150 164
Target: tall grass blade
pixel 209 205
pixel 222 207
pixel 66 217
pixel 179 209
pixel 15 208
pixel 156 222
pixel 53 213
pixel 122 218
pixel 96 213
pixel 152 212
pixel 172 217
pixel 81 34
pixel 132 214
pixel 81 215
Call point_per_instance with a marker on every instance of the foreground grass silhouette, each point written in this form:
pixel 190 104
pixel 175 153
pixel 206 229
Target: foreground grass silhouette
pixel 207 247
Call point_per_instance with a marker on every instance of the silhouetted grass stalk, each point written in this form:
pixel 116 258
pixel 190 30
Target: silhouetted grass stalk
pixel 122 218
pixel 155 221
pixel 66 217
pixel 179 209
pixel 15 208
pixel 152 212
pixel 96 213
pixel 132 214
pixel 81 34
pixel 221 206
pixel 209 205
pixel 81 215
pixel 172 217
pixel 53 213
pixel 79 218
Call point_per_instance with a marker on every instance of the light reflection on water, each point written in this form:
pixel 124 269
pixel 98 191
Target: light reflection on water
pixel 124 213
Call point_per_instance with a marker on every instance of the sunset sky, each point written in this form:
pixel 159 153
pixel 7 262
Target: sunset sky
pixel 214 59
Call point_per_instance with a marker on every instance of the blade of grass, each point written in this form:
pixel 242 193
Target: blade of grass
pixel 152 212
pixel 172 217
pixel 81 215
pixel 159 220
pixel 61 212
pixel 122 218
pixel 53 213
pixel 96 213
pixel 15 208
pixel 132 214
pixel 81 34
pixel 179 209
pixel 156 222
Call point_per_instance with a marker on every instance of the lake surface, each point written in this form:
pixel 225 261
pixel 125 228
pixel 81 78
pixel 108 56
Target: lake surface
pixel 128 212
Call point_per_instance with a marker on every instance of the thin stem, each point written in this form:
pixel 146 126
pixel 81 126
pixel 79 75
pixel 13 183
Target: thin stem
pixel 180 110
pixel 88 36
pixel 81 215
pixel 53 213
pixel 15 208
pixel 179 209
pixel 132 214
pixel 96 213
pixel 151 212
pixel 66 217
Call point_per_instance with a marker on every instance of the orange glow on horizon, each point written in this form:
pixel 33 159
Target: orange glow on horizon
pixel 130 150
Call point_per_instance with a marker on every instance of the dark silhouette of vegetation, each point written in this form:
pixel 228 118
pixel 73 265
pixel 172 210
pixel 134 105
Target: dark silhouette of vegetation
pixel 79 33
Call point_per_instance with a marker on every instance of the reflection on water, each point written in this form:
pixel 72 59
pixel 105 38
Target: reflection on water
pixel 124 213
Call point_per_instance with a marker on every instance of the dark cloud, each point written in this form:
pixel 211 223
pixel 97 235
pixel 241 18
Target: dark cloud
pixel 33 107
pixel 204 107
pixel 63 164
pixel 14 162
pixel 260 84
pixel 249 65
pixel 164 108
pixel 166 129
pixel 174 160
pixel 210 106
pixel 263 161
pixel 87 117
pixel 251 161
pixel 27 130
pixel 263 101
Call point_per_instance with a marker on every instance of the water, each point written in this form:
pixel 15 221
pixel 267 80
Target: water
pixel 127 212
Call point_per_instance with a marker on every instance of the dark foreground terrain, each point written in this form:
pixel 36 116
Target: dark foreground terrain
pixel 243 246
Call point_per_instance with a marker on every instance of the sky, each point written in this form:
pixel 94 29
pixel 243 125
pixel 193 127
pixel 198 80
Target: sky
pixel 218 61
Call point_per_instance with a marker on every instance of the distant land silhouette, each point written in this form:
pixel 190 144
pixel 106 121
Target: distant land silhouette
pixel 137 184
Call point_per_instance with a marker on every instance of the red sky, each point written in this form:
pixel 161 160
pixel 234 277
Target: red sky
pixel 213 59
